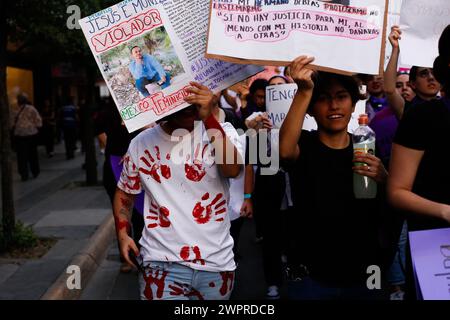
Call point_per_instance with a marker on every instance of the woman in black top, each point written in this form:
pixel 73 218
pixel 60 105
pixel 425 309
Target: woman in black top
pixel 419 180
pixel 334 235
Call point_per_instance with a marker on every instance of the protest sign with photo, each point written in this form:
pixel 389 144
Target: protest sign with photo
pixel 279 99
pixel 430 252
pixel 148 51
pixel 422 23
pixel 344 38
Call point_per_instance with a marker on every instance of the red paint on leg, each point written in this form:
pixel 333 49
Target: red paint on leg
pixel 227 277
pixel 125 203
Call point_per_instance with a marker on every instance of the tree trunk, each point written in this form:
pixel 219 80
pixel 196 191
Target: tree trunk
pixel 89 136
pixel 8 217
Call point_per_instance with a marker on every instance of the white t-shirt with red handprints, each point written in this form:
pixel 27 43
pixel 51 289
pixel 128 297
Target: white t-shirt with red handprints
pixel 186 199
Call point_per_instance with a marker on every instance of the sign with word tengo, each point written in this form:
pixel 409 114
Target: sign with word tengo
pixel 149 51
pixel 430 252
pixel 344 38
pixel 422 22
pixel 278 102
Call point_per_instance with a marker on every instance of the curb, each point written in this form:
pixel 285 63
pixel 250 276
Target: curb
pixel 88 259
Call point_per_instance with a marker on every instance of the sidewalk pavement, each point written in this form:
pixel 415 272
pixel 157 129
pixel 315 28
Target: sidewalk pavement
pixel 57 205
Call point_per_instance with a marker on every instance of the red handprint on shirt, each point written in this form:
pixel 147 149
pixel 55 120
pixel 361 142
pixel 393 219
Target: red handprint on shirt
pixel 195 170
pixel 185 254
pixel 181 289
pixel 132 182
pixel 154 165
pixel 203 212
pixel 160 215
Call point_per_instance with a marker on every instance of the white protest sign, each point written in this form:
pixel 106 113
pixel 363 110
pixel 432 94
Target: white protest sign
pixel 149 50
pixel 278 102
pixel 422 22
pixel 347 39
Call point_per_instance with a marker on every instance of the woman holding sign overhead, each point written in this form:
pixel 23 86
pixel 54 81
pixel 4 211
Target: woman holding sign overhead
pixel 335 251
pixel 420 177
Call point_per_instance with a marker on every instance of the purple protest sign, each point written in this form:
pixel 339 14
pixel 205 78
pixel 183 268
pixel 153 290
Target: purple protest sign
pixel 117 166
pixel 430 251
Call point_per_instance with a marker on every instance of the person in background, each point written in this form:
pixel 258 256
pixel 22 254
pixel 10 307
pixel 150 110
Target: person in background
pixel 25 123
pixel 69 119
pixel 421 80
pixel 270 205
pixel 403 86
pixel 48 127
pixel 256 99
pixel 377 100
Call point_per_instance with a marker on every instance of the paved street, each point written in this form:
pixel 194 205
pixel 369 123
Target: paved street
pixel 57 206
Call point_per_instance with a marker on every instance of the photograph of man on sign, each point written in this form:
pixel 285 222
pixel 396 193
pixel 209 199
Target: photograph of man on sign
pixel 146 70
pixel 141 67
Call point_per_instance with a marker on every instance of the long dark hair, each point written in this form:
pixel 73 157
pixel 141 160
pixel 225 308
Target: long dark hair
pixel 441 68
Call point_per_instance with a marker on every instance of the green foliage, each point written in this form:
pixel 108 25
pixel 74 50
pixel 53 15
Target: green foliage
pixel 23 237
pixel 40 26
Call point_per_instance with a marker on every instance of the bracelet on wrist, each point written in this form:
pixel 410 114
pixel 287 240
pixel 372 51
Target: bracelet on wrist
pixel 247 195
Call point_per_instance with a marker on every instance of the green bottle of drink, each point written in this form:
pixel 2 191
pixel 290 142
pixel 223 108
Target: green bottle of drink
pixel 363 142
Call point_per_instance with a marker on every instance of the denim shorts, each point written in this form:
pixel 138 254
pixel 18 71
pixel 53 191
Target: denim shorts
pixel 174 281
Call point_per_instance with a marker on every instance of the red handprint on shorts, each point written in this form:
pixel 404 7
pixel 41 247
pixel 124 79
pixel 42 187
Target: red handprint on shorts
pixel 154 165
pixel 181 289
pixel 160 215
pixel 156 277
pixel 202 212
pixel 227 276
pixel 185 254
pixel 194 169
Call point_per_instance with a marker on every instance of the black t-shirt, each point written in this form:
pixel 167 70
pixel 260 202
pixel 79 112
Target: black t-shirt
pixel 426 127
pixel 334 234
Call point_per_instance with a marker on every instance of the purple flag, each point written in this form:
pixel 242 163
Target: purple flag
pixel 430 251
pixel 117 169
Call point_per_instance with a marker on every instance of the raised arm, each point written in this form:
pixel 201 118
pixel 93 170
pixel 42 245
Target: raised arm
pixel 227 156
pixel 292 126
pixel 395 100
pixel 403 170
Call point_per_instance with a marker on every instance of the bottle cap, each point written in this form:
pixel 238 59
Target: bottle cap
pixel 363 119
